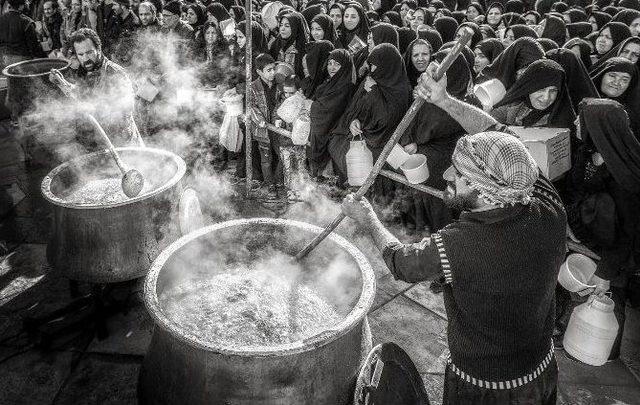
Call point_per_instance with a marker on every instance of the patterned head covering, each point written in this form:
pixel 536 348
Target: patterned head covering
pixel 498 166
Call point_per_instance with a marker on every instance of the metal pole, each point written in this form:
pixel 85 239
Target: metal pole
pixel 248 48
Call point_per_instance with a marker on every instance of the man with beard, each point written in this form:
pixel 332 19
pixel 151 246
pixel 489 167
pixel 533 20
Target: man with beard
pixel 500 260
pixel 103 89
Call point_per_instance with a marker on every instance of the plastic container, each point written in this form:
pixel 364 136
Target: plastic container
pixel 397 157
pixel 415 169
pixel 576 272
pixel 490 92
pixel 591 331
pixel 359 163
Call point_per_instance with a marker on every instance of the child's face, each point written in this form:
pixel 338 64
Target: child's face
pixel 268 73
pixel 289 91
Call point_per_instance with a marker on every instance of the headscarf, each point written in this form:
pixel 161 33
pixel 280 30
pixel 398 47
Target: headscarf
pixel 606 123
pixel 577 15
pixel 555 30
pixel 601 18
pixel 384 33
pixel 475 29
pixel 200 14
pixel 498 166
pixel 626 16
pixel 611 10
pixel 394 18
pixel 342 80
pixel 477 6
pixel 317 57
pixel 521 53
pixel 361 30
pixel 585 50
pixel 559 7
pixel 632 4
pixel 619 32
pixel 310 12
pixel 390 74
pixel 218 11
pixel 533 13
pixel 258 40
pixel 630 99
pixel 405 36
pixel 432 36
pixel 543 6
pixel 547 44
pixel 514 6
pixel 326 23
pixel 228 3
pixel 487 31
pixel 539 75
pixel 579 29
pixel 579 83
pixel 459 74
pixel 339 6
pixel 238 13
pixel 459 16
pixel 412 73
pixel 447 27
pixel 494 5
pixel 298 38
pixel 620 48
pixel 522 30
pixel 491 48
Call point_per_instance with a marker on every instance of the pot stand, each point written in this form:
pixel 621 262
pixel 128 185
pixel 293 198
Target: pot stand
pixel 389 377
pixel 89 312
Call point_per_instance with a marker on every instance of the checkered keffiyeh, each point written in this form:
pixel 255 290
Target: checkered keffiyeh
pixel 498 166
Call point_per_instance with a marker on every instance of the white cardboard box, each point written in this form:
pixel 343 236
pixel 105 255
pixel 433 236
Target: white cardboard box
pixel 550 147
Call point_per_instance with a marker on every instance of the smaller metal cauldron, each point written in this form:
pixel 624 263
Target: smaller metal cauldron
pixel 113 242
pixel 28 82
pixel 182 368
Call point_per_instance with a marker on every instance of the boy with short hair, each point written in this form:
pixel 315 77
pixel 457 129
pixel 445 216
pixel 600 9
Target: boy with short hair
pixel 264 94
pixel 292 157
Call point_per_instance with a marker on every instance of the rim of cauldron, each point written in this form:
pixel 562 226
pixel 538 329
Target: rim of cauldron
pixel 64 64
pixel 54 199
pixel 356 315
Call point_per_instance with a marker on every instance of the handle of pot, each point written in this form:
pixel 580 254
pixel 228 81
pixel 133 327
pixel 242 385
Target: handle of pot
pixel 190 215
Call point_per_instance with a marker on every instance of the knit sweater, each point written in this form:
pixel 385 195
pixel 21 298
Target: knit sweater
pixel 501 268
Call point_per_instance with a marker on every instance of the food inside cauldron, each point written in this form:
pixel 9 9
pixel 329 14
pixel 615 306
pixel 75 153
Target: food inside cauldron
pixel 260 302
pixel 101 191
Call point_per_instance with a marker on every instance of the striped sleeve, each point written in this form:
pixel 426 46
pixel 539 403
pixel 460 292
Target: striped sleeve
pixel 444 260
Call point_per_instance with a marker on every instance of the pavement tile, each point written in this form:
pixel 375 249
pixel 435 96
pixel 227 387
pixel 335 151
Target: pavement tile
pixel 584 394
pixel 100 379
pixel 613 373
pixel 421 294
pixel 434 383
pixel 412 327
pixel 128 334
pixel 34 377
pixel 382 298
pixel 392 286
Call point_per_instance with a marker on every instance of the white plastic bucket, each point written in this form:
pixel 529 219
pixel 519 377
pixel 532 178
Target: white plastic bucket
pixel 415 169
pixel 490 92
pixel 397 157
pixel 576 272
pixel 592 330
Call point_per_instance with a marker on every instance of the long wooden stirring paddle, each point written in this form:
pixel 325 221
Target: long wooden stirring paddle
pixel 399 131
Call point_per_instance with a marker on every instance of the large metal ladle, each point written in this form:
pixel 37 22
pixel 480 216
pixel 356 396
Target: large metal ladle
pixel 132 180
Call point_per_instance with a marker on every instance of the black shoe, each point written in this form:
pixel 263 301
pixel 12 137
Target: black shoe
pixel 437 285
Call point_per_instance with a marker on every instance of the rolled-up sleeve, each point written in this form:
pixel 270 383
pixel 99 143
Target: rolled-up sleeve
pixel 413 262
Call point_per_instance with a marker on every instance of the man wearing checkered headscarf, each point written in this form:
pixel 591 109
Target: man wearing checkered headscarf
pixel 496 165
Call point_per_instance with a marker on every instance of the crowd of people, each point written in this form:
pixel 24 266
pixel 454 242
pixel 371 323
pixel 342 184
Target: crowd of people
pixel 357 64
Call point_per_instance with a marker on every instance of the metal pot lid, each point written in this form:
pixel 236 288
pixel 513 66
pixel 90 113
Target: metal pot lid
pixel 389 377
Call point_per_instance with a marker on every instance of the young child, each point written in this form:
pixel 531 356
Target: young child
pixel 292 157
pixel 264 94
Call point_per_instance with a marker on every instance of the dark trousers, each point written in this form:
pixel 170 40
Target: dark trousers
pixel 541 391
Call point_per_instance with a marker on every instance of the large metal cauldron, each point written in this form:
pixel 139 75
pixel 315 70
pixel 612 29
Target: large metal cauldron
pixel 106 243
pixel 182 369
pixel 28 83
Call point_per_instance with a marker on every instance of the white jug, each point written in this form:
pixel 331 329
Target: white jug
pixel 591 331
pixel 359 163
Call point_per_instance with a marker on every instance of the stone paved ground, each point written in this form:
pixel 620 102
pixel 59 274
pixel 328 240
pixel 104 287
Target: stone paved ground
pixel 81 369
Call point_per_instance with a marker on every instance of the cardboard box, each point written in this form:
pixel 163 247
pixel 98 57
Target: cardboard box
pixel 550 147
